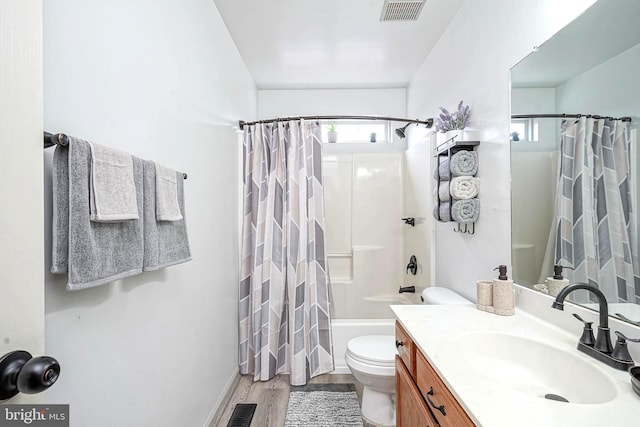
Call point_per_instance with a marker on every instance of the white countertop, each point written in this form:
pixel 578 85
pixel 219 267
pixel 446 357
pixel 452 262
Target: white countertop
pixel 491 404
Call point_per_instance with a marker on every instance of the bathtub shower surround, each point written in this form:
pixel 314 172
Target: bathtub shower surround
pixel 94 253
pixel 364 199
pixel 284 295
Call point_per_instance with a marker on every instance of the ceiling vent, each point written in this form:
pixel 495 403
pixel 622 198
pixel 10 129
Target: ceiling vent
pixel 401 10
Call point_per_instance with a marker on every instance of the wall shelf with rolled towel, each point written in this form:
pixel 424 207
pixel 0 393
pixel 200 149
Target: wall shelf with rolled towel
pixel 53 139
pixel 456 184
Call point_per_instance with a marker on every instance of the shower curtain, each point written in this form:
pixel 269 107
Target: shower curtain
pixel 595 231
pixel 284 305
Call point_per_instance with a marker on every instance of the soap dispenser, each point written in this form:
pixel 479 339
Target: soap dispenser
pixel 503 294
pixel 557 282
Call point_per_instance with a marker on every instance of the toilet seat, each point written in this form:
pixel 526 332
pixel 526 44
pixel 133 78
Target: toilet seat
pixel 374 350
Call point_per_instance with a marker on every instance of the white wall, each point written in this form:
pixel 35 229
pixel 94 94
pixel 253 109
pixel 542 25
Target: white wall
pixel 21 230
pixel 471 62
pixel 611 88
pixel 163 80
pixel 373 102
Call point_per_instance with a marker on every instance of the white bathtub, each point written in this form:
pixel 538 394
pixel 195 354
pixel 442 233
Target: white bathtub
pixel 345 329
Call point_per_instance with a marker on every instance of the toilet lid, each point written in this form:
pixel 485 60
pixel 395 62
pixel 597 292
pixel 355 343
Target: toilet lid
pixel 373 349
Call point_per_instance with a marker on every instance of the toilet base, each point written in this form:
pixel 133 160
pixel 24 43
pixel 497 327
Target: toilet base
pixel 378 408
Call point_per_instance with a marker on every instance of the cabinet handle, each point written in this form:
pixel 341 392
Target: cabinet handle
pixel 399 344
pixel 439 408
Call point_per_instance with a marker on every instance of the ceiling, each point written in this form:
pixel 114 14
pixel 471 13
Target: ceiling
pixel 291 44
pixel 603 31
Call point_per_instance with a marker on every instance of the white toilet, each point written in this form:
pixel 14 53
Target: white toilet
pixel 371 359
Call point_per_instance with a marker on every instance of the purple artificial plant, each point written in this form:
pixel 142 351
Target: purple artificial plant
pixel 453 121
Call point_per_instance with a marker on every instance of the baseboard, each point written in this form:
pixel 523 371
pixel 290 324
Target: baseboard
pixel 220 406
pixel 340 370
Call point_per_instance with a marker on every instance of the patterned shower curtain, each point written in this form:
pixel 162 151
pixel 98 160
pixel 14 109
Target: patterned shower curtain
pixel 284 305
pixel 595 231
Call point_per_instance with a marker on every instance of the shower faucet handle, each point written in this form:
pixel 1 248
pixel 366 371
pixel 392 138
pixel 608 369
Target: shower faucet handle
pixel 412 267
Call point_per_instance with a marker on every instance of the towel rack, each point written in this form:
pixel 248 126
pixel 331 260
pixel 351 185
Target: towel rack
pixel 51 139
pixel 447 149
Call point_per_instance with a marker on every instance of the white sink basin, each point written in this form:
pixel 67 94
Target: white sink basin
pixel 533 367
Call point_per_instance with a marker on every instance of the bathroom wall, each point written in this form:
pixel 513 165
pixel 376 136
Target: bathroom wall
pixel 617 86
pixel 163 80
pixel 302 102
pixel 471 61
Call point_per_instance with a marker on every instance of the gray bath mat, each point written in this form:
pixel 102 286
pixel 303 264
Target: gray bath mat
pixel 323 405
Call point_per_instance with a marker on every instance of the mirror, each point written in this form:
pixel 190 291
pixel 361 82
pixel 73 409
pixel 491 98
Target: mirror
pixel 590 67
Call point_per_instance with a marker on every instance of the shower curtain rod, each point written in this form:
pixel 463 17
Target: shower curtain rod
pixel 51 139
pixel 566 116
pixel 428 123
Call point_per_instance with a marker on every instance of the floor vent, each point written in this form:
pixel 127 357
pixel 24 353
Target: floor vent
pixel 401 10
pixel 242 415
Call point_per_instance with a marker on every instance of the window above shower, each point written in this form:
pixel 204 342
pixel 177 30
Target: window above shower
pixel 357 131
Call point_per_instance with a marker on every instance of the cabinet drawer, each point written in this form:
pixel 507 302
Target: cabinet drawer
pixel 411 410
pixel 406 349
pixel 437 395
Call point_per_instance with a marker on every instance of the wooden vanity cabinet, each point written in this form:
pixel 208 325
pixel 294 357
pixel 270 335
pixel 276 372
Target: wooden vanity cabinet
pixel 422 398
pixel 410 408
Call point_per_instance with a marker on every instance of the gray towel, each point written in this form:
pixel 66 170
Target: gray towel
pixel 464 163
pixel 465 211
pixel 112 190
pixel 443 192
pixel 167 208
pixel 165 242
pixel 91 253
pixel 442 212
pixel 442 171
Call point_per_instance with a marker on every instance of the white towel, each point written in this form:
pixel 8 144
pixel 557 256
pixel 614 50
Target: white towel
pixel 464 187
pixel 167 208
pixel 112 192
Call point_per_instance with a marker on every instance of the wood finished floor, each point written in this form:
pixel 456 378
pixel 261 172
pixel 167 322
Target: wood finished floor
pixel 272 398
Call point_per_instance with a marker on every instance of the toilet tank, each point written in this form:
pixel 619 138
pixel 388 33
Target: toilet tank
pixel 436 295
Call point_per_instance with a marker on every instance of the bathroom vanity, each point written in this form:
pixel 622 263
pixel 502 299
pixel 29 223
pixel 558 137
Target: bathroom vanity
pixel 422 398
pixel 458 366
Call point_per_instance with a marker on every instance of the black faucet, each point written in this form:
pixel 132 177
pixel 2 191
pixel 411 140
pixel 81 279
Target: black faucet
pixel 602 349
pixel 603 338
pixel 411 289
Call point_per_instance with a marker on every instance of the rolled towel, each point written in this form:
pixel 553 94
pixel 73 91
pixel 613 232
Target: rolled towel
pixel 464 163
pixel 465 211
pixel 442 171
pixel 112 192
pixel 464 187
pixel 443 192
pixel 442 212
